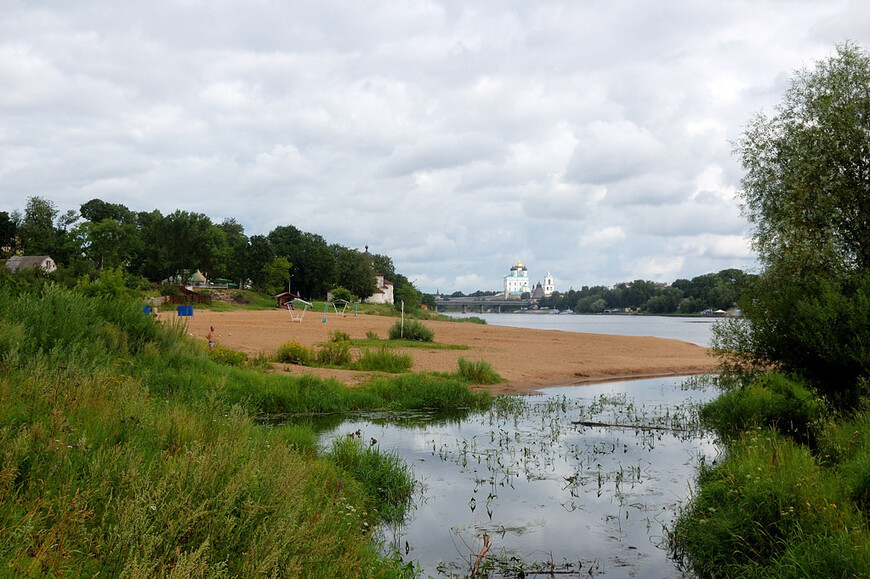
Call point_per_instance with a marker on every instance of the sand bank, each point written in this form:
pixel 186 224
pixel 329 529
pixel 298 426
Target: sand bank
pixel 527 359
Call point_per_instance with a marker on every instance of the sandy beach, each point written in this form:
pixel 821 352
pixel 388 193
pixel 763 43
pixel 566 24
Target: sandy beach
pixel 527 359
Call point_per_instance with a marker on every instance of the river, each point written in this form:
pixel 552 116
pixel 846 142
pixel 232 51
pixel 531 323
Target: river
pixel 696 330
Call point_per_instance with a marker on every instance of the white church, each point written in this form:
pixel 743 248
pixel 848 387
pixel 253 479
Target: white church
pixel 516 283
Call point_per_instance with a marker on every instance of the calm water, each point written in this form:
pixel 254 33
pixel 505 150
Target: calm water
pixel 694 330
pixel 544 487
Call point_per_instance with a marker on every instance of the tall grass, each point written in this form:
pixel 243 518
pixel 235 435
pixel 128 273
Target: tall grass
pixel 387 480
pixel 791 497
pixel 479 372
pixel 769 510
pixel 411 330
pixel 383 360
pixel 126 451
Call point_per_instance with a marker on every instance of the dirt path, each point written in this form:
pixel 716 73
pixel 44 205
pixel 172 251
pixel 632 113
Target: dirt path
pixel 526 359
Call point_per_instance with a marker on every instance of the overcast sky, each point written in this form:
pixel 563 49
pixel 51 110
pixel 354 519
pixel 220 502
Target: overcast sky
pixel 590 139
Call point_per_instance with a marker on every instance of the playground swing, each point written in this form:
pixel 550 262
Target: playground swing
pixel 297 309
pixel 340 303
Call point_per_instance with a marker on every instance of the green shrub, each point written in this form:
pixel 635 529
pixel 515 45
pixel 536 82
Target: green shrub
pixel 294 353
pixel 227 356
pixel 772 401
pixel 334 354
pixel 479 372
pixel 372 335
pixel 339 336
pixel 383 360
pixel 341 293
pixel 411 330
pixel 170 290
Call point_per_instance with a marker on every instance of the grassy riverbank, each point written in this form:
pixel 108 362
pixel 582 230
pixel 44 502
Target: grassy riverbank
pixel 791 497
pixel 126 450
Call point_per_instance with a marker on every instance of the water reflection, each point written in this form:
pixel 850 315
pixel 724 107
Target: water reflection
pixel 577 479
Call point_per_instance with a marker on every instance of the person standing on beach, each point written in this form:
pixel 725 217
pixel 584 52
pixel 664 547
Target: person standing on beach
pixel 210 338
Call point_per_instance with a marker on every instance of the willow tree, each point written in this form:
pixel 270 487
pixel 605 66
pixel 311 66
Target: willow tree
pixel 806 191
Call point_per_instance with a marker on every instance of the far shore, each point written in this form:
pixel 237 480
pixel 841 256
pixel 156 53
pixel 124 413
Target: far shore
pixel 527 360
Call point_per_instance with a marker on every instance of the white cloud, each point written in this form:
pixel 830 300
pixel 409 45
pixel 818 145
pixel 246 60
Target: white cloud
pixel 590 139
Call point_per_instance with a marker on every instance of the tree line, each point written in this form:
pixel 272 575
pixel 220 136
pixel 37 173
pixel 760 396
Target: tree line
pixel 105 236
pixel 710 291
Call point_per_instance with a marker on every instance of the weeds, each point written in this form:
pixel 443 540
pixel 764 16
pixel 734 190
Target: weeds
pixel 791 497
pixel 478 372
pixel 413 330
pixel 383 360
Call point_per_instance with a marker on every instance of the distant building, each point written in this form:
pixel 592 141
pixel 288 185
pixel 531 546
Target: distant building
pixel 19 262
pixel 516 283
pixel 384 293
pixel 549 286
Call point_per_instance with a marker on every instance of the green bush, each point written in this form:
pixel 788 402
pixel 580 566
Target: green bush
pixel 339 336
pixel 383 360
pixel 411 330
pixel 334 354
pixel 294 353
pixel 479 372
pixel 227 356
pixel 773 401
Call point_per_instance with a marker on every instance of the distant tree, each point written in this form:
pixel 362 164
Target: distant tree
pixel 355 272
pixel 237 246
pixel 192 242
pixel 429 301
pixel 107 243
pixel 96 210
pixel 37 233
pixel 407 294
pixel 258 254
pixel 276 274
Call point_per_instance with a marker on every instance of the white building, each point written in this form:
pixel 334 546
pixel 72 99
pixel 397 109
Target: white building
pixel 549 286
pixel 516 283
pixel 384 293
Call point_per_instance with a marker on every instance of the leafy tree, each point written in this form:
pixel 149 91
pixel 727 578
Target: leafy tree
pixel 429 301
pixel 237 246
pixel 190 242
pixel 259 253
pixel 108 243
pixel 355 272
pixel 275 275
pixel 96 210
pixel 806 190
pixel 37 232
pixel 314 263
pixel 408 294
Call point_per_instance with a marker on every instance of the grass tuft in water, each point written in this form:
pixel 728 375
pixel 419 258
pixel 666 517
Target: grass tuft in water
pixel 384 476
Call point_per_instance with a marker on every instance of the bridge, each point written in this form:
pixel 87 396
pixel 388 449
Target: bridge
pixel 482 304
